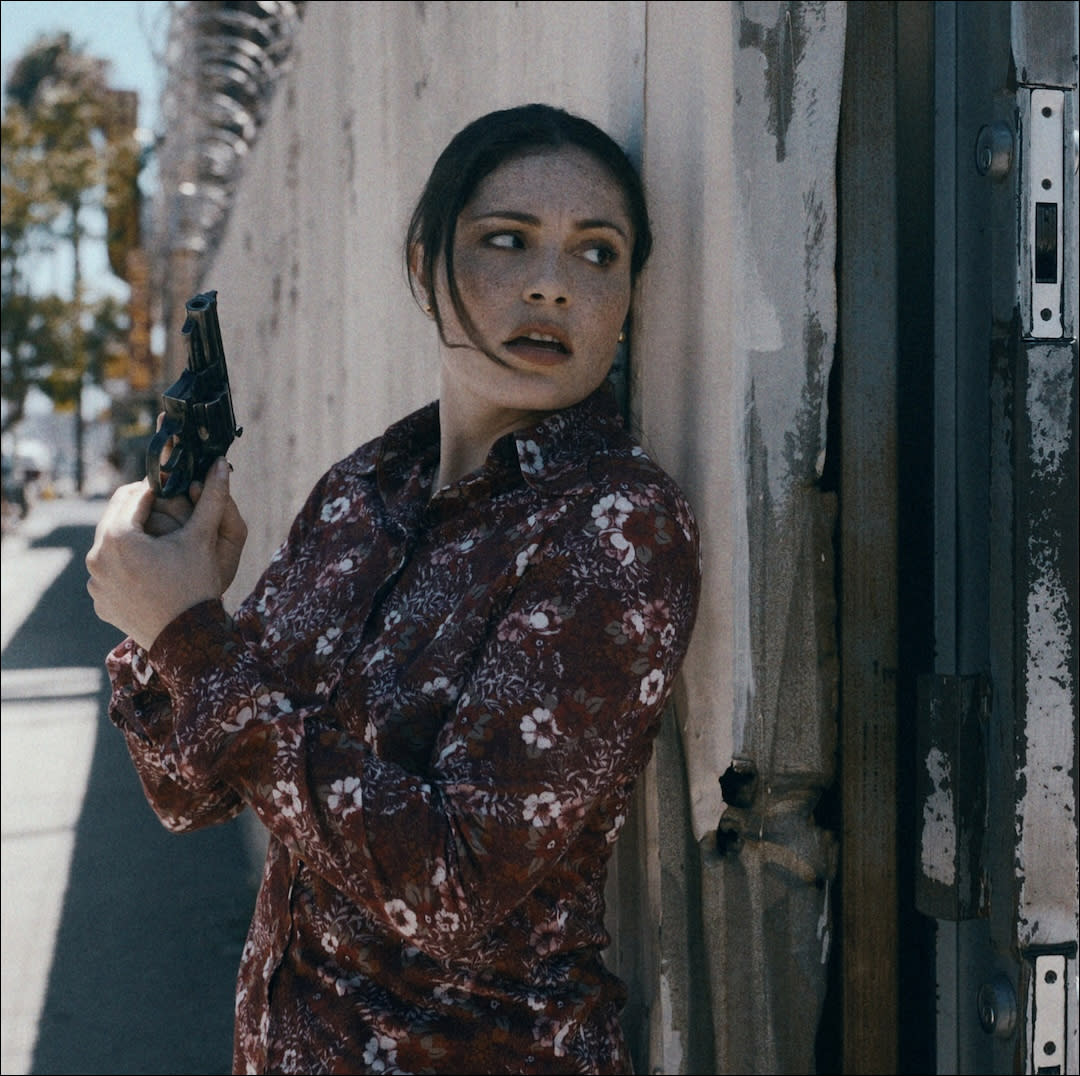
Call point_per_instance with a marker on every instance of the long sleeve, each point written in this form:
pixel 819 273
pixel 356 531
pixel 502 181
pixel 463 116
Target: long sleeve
pixel 550 697
pixel 142 706
pixel 142 709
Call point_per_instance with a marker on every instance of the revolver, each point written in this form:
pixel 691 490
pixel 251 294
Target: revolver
pixel 199 424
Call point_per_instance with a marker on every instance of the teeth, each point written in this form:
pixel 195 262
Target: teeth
pixel 543 338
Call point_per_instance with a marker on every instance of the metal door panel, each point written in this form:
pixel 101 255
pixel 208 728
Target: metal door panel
pixel 1005 539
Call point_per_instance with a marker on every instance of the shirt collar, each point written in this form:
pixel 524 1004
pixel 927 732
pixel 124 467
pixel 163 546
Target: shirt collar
pixel 556 451
pixel 551 454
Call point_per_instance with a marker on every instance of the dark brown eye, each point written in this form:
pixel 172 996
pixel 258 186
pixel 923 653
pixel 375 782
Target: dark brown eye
pixel 600 254
pixel 504 240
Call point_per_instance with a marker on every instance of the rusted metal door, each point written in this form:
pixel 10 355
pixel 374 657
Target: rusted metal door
pixel 996 774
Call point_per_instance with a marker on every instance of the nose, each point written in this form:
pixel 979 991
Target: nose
pixel 546 281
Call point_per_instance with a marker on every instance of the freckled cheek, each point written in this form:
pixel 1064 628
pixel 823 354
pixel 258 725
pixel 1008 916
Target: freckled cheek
pixel 478 278
pixel 607 308
pixel 481 279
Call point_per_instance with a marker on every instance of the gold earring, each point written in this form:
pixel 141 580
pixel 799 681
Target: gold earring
pixel 622 337
pixel 429 310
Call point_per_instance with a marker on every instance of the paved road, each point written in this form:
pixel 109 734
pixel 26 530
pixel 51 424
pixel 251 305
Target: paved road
pixel 120 940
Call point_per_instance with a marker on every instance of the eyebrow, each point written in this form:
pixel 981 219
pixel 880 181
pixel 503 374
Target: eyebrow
pixel 534 221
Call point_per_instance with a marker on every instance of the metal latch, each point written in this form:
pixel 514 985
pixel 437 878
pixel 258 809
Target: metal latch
pixel 1049 1009
pixel 1044 184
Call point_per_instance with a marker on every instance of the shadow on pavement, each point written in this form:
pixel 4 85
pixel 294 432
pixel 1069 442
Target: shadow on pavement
pixel 153 923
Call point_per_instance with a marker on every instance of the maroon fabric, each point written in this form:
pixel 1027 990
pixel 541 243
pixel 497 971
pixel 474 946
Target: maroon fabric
pixel 438 707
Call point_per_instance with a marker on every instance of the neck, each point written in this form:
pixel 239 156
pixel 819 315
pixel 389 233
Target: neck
pixel 468 427
pixel 457 458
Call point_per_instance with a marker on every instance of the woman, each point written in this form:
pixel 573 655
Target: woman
pixel 441 692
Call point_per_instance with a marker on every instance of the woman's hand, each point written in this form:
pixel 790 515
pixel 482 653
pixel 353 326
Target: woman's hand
pixel 168 514
pixel 152 559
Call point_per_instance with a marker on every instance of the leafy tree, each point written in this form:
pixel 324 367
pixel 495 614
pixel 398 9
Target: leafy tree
pixel 105 340
pixel 68 146
pixel 37 347
pixel 32 327
pixel 28 208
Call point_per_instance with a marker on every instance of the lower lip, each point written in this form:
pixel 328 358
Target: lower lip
pixel 538 356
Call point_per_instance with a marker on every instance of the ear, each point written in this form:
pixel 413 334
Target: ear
pixel 416 272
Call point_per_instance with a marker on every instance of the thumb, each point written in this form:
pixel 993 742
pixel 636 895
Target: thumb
pixel 214 499
pixel 144 506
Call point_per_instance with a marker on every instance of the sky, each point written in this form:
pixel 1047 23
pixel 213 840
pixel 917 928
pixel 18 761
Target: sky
pixel 131 36
pixel 128 34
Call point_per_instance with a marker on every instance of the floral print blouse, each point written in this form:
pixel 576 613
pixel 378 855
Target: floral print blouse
pixel 437 706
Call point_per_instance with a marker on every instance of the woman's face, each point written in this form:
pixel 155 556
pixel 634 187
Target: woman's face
pixel 542 262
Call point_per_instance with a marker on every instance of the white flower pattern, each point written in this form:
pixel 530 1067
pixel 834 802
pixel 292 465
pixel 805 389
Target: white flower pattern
pixel 610 515
pixel 532 459
pixel 346 795
pixel 287 797
pixel 334 510
pixel 380 1053
pixel 402 916
pixel 542 809
pixel 325 643
pixel 652 688
pixel 539 729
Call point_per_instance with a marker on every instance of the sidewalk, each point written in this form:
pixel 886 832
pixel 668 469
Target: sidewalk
pixel 120 940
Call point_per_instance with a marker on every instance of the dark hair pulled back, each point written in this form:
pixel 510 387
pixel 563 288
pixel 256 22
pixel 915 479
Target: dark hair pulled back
pixel 478 150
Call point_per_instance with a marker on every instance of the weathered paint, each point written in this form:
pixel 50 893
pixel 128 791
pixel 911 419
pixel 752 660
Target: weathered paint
pixel 1051 397
pixel 1047 857
pixel 1046 808
pixel 741 294
pixel 938 845
pixel 951 796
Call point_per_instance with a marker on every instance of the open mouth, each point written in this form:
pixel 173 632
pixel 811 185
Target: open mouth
pixel 538 344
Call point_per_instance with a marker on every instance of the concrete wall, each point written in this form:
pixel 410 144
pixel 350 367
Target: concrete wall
pixel 732 111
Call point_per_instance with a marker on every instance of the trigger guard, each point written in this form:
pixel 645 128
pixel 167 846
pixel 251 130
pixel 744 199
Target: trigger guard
pixel 176 458
pixel 178 466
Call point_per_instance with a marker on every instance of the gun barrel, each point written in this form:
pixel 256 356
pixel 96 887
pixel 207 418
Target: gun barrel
pixel 203 332
pixel 199 421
